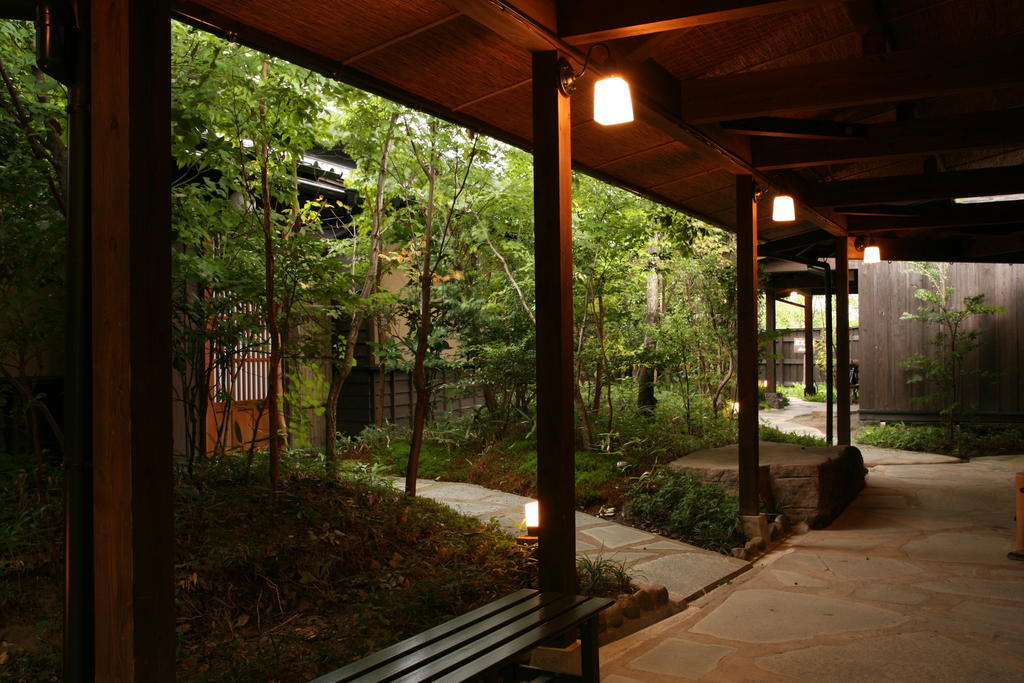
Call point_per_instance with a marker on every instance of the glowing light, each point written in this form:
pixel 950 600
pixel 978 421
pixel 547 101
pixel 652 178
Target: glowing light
pixel 872 254
pixel 794 296
pixel 532 513
pixel 735 406
pixel 612 101
pixel 783 209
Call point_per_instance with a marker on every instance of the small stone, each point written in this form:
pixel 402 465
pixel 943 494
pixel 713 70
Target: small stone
pixel 801 528
pixel 739 553
pixel 613 615
pixel 631 608
pixel 659 593
pixel 644 600
pixel 753 546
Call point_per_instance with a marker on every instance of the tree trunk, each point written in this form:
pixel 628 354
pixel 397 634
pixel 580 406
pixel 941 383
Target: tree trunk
pixel 419 377
pixel 581 410
pixel 645 399
pixel 340 370
pixel 277 428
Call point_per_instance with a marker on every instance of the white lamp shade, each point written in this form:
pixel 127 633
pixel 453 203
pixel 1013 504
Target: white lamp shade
pixel 783 209
pixel 872 254
pixel 794 296
pixel 612 101
pixel 735 406
pixel 533 514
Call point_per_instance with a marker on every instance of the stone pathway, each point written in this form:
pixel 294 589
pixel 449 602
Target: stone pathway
pixel 911 583
pixel 785 418
pixel 684 569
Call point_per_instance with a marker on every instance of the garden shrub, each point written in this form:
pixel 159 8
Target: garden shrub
pixel 797 391
pixel 969 441
pixel 685 507
pixel 770 433
pixel 601 577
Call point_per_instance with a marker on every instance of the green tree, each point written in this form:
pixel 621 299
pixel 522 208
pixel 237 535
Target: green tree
pixel 32 231
pixel 944 370
pixel 252 266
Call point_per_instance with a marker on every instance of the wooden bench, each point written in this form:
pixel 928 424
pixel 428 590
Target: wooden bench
pixel 487 643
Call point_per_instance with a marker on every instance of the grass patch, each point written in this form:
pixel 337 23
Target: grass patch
pixel 460 448
pixel 774 434
pixel 685 507
pixel 797 391
pixel 970 440
pixel 602 577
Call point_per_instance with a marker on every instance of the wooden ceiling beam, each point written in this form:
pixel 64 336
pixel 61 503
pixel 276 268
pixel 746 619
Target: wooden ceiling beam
pixel 1002 213
pixel 809 129
pixel 896 139
pixel 925 187
pixel 582 22
pixel 982 249
pixel 889 77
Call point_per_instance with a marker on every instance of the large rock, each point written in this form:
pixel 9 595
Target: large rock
pixel 811 484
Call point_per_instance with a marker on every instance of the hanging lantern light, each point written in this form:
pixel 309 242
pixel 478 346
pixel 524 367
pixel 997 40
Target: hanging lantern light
pixel 872 254
pixel 612 101
pixel 783 209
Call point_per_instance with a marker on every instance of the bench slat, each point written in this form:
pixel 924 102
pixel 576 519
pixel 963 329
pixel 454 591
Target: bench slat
pixel 527 632
pixel 403 648
pixel 470 636
pixel 528 641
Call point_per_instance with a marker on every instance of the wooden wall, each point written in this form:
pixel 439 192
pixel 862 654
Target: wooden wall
pixel 887 290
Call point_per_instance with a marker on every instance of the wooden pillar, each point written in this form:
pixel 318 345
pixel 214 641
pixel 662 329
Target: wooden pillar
pixel 809 386
pixel 771 363
pixel 746 329
pixel 552 212
pixel 131 253
pixel 842 280
pixel 829 375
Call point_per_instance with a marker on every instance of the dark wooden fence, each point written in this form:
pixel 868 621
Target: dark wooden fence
pixel 887 291
pixel 789 366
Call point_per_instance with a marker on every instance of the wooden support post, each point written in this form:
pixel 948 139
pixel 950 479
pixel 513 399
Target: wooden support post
pixel 809 386
pixel 552 211
pixel 746 332
pixel 131 322
pixel 829 375
pixel 771 363
pixel 842 284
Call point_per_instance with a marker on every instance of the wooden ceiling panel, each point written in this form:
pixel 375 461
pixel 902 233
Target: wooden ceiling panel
pixel 752 44
pixel 334 28
pixel 602 147
pixel 453 63
pixel 509 110
pixel 956 21
pixel 697 183
pixel 655 166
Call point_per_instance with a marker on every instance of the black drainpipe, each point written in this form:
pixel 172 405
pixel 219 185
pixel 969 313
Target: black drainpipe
pixel 62 51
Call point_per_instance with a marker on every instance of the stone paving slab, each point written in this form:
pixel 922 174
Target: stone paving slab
pixel 682 568
pixel 916 592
